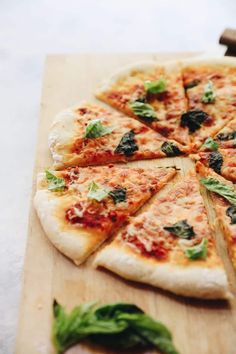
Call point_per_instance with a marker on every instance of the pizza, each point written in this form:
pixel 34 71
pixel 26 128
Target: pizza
pixel 170 245
pixel 222 162
pixel 89 134
pixel 80 207
pixel 226 137
pixel 223 193
pixel 211 97
pixel 151 92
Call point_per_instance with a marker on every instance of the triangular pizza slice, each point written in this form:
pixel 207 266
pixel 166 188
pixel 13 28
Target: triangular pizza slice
pixel 151 92
pixel 223 193
pixel 222 162
pixel 89 134
pixel 79 207
pixel 170 246
pixel 210 86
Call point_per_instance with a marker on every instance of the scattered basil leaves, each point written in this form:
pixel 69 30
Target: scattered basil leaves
pixel 95 129
pixel 118 195
pixel 181 229
pixel 96 192
pixel 55 183
pixel 144 111
pixel 209 94
pixel 215 161
pixel 197 252
pixel 231 212
pixel 210 144
pixel 220 188
pixel 193 119
pixel 156 86
pixel 170 149
pixel 127 144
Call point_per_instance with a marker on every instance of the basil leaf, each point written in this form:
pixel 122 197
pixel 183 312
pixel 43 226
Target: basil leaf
pixel 220 188
pixel 209 94
pixel 55 183
pixel 118 195
pixel 127 145
pixel 231 212
pixel 191 84
pixel 226 136
pixel 216 161
pixel 144 111
pixel 170 149
pixel 181 229
pixel 95 129
pixel 119 326
pixel 210 144
pixel 198 251
pixel 96 192
pixel 193 119
pixel 155 87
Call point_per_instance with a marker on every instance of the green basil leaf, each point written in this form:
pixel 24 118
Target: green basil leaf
pixel 181 229
pixel 144 111
pixel 120 326
pixel 197 252
pixel 210 144
pixel 216 161
pixel 155 87
pixel 118 195
pixel 127 145
pixel 220 188
pixel 55 183
pixel 193 119
pixel 170 149
pixel 226 136
pixel 209 94
pixel 231 212
pixel 191 84
pixel 96 192
pixel 95 129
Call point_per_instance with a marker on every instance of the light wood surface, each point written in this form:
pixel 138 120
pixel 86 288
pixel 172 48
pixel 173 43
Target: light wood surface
pixel 198 327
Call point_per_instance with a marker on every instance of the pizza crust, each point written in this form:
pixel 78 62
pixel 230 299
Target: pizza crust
pixel 75 244
pixel 195 281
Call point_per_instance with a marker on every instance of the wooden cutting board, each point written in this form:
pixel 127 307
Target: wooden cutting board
pixel 198 327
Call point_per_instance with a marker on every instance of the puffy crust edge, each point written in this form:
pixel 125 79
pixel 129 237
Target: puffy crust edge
pixel 194 281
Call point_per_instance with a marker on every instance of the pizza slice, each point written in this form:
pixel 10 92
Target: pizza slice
pixel 210 87
pixel 170 246
pixel 152 93
pixel 222 162
pixel 91 135
pixel 81 207
pixel 223 193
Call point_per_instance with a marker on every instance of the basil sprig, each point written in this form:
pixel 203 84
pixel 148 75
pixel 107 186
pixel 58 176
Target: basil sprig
pixel 144 111
pixel 127 144
pixel 197 252
pixel 95 129
pixel 216 161
pixel 55 183
pixel 96 192
pixel 170 149
pixel 220 188
pixel 118 326
pixel 156 86
pixel 209 94
pixel 181 229
pixel 118 195
pixel 193 119
pixel 210 144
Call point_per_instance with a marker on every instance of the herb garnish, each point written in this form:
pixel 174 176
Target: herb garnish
pixel 144 111
pixel 209 94
pixel 220 188
pixel 193 119
pixel 118 195
pixel 226 136
pixel 55 183
pixel 127 145
pixel 215 161
pixel 119 326
pixel 191 84
pixel 155 87
pixel 210 144
pixel 198 251
pixel 231 212
pixel 181 229
pixel 170 149
pixel 96 192
pixel 95 129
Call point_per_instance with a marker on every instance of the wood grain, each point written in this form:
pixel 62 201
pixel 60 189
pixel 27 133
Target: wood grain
pixel 199 327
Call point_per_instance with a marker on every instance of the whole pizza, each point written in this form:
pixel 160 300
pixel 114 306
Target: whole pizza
pixel 148 225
